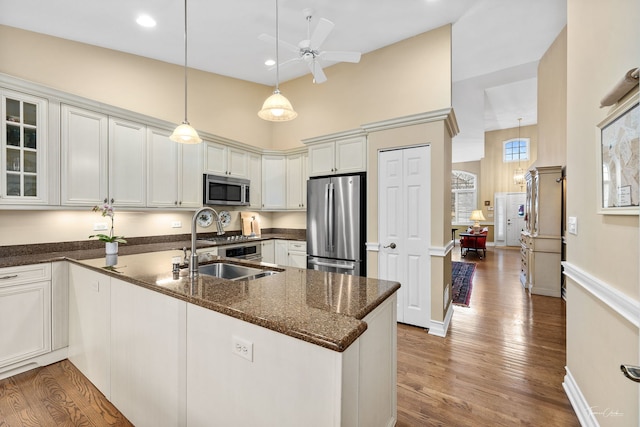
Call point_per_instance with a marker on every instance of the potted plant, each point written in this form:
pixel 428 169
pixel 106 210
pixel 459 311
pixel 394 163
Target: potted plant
pixel 111 240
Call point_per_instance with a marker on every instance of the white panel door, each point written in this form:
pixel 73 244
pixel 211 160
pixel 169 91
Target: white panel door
pixel 127 163
pixel 162 181
pixel 404 230
pixel 515 217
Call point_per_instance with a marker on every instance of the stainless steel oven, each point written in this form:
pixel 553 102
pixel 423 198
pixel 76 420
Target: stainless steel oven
pixel 251 251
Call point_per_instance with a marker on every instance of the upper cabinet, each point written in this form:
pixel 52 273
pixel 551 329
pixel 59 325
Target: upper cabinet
pixel 255 179
pixel 103 159
pixel 274 185
pixel 175 172
pixel 23 144
pixel 223 160
pixel 297 181
pixel 338 157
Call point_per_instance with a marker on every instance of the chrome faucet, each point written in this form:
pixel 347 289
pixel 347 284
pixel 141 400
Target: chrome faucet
pixel 193 263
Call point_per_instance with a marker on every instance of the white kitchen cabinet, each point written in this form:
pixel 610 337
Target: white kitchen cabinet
pixel 255 179
pixel 281 252
pixel 25 312
pixel 274 189
pixel 89 325
pixel 223 160
pixel 103 159
pixel 268 251
pixel 297 181
pixel 147 355
pixel 23 145
pixel 338 157
pixel 174 178
pixel 297 254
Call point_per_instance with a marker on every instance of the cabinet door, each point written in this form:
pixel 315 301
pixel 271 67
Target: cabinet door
pixel 238 163
pixel 215 158
pixel 127 163
pixel 84 157
pixel 163 174
pixel 190 184
pixel 23 143
pixel 322 159
pixel 148 352
pixel 297 254
pixel 25 313
pixel 351 155
pixel 294 182
pixel 281 251
pixel 268 251
pixel 255 178
pixel 89 327
pixel 274 188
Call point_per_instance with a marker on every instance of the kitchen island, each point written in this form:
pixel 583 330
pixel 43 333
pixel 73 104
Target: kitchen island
pixel 298 347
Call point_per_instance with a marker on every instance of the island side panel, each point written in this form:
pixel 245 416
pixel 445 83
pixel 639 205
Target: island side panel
pixel 289 382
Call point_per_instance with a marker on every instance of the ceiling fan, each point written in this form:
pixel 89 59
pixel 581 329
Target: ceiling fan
pixel 308 50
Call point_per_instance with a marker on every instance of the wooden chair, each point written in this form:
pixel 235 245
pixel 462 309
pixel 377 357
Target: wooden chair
pixel 475 244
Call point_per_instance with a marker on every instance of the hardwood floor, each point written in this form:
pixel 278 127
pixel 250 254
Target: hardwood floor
pixel 501 364
pixel 55 395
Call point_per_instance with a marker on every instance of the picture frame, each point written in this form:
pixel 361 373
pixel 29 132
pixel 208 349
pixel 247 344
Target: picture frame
pixel 618 146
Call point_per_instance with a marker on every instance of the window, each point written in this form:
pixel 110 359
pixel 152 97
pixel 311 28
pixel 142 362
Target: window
pixel 463 195
pixel 516 150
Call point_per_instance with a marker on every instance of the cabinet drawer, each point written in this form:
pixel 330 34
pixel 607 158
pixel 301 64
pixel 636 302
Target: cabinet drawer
pixel 298 246
pixel 10 276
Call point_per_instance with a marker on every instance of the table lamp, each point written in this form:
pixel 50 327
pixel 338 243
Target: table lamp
pixel 477 217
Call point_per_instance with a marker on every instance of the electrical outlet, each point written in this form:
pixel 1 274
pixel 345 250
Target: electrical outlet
pixel 176 224
pixel 242 348
pixel 100 226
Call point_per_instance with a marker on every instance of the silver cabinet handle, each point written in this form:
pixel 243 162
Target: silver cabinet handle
pixel 392 246
pixel 11 276
pixel 631 372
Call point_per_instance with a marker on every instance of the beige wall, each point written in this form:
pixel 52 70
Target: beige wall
pixel 602 44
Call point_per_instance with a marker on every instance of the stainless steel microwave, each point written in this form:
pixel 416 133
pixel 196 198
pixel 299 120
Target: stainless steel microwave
pixel 225 190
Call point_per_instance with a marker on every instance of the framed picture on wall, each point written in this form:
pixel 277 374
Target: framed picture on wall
pixel 619 159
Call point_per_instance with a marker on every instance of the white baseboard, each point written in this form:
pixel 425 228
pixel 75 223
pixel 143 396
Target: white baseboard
pixel 27 365
pixel 580 405
pixel 440 329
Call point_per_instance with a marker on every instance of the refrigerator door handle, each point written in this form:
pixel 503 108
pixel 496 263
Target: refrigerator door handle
pixel 330 214
pixel 328 264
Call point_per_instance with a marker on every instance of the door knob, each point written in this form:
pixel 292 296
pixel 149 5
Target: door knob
pixel 392 246
pixel 631 372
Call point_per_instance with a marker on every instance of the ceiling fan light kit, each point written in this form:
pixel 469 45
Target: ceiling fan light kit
pixel 184 133
pixel 277 107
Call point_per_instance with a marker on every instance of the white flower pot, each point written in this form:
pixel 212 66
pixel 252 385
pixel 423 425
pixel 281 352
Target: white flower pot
pixel 111 248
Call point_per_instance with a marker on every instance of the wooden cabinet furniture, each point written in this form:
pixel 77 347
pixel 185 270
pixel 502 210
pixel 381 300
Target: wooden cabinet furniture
pixel 25 313
pixel 23 145
pixel 297 181
pixel 224 160
pixel 344 155
pixel 541 241
pixel 174 178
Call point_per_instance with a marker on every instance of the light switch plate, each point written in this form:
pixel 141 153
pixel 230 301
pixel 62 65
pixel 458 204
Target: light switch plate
pixel 572 225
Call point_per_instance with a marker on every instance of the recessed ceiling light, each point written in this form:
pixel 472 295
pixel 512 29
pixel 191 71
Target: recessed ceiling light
pixel 146 21
pixel 269 62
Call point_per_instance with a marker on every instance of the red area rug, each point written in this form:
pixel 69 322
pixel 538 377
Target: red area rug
pixel 462 279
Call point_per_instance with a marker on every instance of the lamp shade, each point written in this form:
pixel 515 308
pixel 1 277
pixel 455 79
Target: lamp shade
pixel 185 134
pixel 277 108
pixel 477 216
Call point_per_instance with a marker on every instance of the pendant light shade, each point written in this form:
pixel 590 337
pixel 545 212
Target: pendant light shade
pixel 184 133
pixel 277 107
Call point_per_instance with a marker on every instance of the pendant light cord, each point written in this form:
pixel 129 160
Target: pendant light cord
pixel 185 61
pixel 277 53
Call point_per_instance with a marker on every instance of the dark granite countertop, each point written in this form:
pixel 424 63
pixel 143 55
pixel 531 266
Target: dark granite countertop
pixel 325 309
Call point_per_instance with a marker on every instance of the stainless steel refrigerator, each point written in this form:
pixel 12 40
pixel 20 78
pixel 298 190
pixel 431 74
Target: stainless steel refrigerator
pixel 336 224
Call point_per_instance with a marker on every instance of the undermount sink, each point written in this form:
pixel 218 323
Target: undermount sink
pixel 228 271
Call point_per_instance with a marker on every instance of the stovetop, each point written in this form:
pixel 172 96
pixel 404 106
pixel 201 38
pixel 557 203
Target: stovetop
pixel 231 239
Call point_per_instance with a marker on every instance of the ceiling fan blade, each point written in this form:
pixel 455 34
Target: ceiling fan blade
pixel 318 73
pixel 285 63
pixel 340 56
pixel 285 45
pixel 321 32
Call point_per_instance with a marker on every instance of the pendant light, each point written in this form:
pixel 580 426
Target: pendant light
pixel 518 174
pixel 184 133
pixel 277 108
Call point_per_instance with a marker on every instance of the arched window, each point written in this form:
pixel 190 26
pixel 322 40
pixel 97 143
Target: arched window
pixel 464 195
pixel 516 149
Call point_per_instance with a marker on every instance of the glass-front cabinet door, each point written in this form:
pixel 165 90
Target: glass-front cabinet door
pixel 23 144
